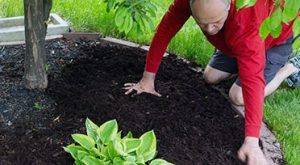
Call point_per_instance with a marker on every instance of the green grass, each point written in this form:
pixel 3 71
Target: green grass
pixel 282 110
pixel 282 113
pixel 10 8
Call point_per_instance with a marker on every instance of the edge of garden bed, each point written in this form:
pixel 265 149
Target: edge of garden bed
pixel 271 146
pixel 11 43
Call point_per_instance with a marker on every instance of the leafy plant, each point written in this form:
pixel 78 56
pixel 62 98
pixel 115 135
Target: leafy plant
pixel 272 24
pixel 132 13
pixel 47 67
pixel 104 145
pixel 38 106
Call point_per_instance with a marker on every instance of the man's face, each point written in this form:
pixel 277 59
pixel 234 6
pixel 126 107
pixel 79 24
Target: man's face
pixel 210 18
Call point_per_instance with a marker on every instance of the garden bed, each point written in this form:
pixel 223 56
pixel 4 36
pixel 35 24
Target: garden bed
pixel 193 122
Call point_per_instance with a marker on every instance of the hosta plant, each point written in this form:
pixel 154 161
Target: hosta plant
pixel 103 145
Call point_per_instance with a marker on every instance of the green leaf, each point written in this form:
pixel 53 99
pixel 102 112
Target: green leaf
pixel 144 23
pixel 148 146
pixel 105 151
pixel 140 159
pixel 149 155
pixel 73 150
pixel 276 18
pixel 151 9
pixel 109 6
pixel 150 23
pixel 276 32
pixel 78 162
pixel 137 17
pixel 265 29
pixel 296 45
pixel 119 135
pixel 130 25
pixel 152 28
pixel 129 163
pixel 98 153
pixel 141 24
pixel 119 148
pixel 118 161
pixel 85 141
pixel 108 131
pixel 251 3
pixel 120 16
pixel 160 162
pixel 241 3
pixel 82 154
pixel 130 158
pixel 129 135
pixel 296 27
pixel 291 9
pixel 90 160
pixel 112 152
pixel 131 144
pixel 91 129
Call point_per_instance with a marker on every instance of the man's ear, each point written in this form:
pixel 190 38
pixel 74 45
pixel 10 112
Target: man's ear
pixel 228 5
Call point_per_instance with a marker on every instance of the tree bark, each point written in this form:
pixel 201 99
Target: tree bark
pixel 36 16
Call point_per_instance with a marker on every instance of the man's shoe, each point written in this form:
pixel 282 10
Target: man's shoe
pixel 294 79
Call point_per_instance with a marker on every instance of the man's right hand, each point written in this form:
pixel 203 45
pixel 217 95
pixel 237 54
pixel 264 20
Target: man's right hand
pixel 146 84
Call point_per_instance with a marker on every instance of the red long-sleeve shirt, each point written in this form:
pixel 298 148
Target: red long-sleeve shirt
pixel 240 39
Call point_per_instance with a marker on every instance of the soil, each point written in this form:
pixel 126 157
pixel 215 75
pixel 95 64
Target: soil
pixel 193 122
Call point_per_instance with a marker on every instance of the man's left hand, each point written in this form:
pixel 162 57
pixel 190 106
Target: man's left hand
pixel 251 153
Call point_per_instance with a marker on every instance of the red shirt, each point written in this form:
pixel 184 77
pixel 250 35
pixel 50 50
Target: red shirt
pixel 239 38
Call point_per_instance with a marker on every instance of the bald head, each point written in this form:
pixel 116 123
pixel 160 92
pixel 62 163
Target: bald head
pixel 210 15
pixel 208 7
pixel 226 2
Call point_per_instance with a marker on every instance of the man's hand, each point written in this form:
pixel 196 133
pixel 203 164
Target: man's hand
pixel 146 84
pixel 251 153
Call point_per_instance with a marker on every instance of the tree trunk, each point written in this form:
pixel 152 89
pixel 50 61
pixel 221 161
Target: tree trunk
pixel 36 16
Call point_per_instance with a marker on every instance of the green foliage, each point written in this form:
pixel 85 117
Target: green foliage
pixel 129 14
pixel 158 162
pixel 244 3
pixel 265 28
pixel 104 145
pixel 38 106
pixel 272 24
pixel 291 10
pixel 296 30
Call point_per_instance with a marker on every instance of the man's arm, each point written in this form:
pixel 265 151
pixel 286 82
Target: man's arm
pixel 249 49
pixel 251 73
pixel 171 23
pixel 251 62
pixel 173 20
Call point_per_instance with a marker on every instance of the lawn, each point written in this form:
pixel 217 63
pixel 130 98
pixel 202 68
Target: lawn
pixel 282 109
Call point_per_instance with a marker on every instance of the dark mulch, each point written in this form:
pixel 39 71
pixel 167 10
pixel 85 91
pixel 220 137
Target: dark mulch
pixel 194 123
